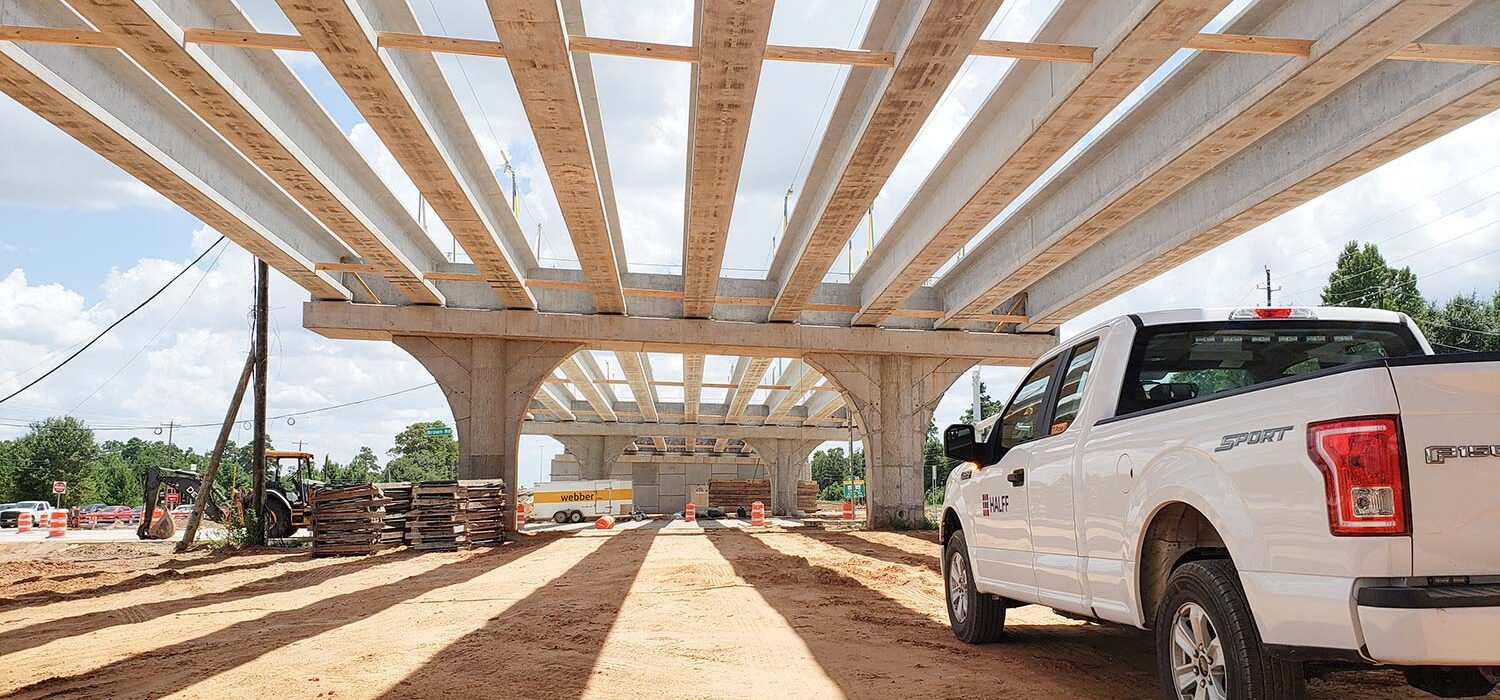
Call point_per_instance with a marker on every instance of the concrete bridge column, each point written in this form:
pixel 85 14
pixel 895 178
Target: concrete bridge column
pixel 787 464
pixel 489 383
pixel 894 397
pixel 596 454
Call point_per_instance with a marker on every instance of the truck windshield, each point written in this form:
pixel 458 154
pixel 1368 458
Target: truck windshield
pixel 1169 364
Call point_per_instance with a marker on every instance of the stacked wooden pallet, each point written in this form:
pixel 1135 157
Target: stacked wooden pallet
pixel 484 511
pixel 394 531
pixel 435 519
pixel 348 520
pixel 733 494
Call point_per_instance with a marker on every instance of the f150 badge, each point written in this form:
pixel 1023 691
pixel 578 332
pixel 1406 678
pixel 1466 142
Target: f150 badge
pixel 1438 454
pixel 1253 437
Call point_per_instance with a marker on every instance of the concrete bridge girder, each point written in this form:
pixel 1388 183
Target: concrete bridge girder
pixel 596 454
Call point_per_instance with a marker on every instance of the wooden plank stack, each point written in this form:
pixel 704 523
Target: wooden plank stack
pixel 348 520
pixel 394 532
pixel 484 511
pixel 733 494
pixel 435 520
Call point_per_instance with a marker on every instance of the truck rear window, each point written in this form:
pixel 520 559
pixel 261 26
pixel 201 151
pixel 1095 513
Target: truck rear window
pixel 1170 364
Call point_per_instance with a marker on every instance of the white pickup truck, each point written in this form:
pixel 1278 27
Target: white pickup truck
pixel 1260 487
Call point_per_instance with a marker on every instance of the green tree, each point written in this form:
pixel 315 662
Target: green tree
pixel 365 462
pixel 422 457
pixel 831 466
pixel 991 406
pixel 117 482
pixel 1360 278
pixel 1464 324
pixel 56 449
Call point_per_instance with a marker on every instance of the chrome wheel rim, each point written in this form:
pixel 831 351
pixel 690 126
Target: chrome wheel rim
pixel 958 588
pixel 1198 669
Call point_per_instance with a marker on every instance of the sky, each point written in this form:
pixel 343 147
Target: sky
pixel 82 242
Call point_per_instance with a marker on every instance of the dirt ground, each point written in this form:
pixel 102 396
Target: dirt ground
pixel 650 612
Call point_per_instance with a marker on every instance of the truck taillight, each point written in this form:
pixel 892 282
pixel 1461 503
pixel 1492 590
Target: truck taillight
pixel 1364 474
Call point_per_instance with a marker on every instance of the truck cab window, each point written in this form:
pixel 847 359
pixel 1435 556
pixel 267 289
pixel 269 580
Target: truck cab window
pixel 1170 364
pixel 1021 420
pixel 1070 394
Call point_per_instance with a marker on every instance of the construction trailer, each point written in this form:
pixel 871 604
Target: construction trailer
pixel 576 501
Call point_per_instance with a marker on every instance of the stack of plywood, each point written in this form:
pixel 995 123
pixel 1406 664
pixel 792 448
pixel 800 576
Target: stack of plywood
pixel 484 511
pixel 348 520
pixel 435 519
pixel 399 494
pixel 733 494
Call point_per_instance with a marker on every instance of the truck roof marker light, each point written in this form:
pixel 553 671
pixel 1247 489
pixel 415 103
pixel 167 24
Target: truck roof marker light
pixel 1260 312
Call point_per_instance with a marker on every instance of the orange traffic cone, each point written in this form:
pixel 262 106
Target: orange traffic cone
pixel 23 522
pixel 848 510
pixel 690 513
pixel 757 514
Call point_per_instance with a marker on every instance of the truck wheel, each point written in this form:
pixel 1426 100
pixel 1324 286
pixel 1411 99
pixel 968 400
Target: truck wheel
pixel 278 520
pixel 1207 645
pixel 560 517
pixel 976 618
pixel 575 516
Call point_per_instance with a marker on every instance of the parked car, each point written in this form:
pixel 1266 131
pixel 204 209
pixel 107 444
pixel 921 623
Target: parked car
pixel 1259 487
pixel 135 515
pixel 105 516
pixel 180 513
pixel 38 510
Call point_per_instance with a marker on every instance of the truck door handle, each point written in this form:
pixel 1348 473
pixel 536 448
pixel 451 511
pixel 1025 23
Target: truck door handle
pixel 1017 477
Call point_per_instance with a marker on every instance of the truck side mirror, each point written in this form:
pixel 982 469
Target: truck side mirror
pixel 959 443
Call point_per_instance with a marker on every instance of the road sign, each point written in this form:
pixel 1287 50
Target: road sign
pixel 442 431
pixel 173 497
pixel 855 487
pixel 59 487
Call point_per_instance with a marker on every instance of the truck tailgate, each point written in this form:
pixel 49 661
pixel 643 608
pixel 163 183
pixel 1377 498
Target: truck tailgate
pixel 1450 420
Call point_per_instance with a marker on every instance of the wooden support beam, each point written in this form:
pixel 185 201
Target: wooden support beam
pixel 1447 53
pixel 1032 51
pixel 53 99
pixel 156 44
pixel 439 44
pixel 244 39
pixel 549 95
pixel 341 37
pixel 1078 107
pixel 632 49
pixel 1333 64
pixel 692 385
pixel 858 58
pixel 944 35
pixel 731 46
pixel 53 35
pixel 1241 43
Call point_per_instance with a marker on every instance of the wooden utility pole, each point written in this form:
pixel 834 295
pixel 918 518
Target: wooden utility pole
pixel 258 454
pixel 205 487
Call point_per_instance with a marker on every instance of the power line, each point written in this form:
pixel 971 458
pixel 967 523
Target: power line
pixel 117 322
pixel 211 267
pixel 1340 278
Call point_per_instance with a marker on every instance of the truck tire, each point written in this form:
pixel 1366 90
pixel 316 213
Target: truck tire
pixel 1206 635
pixel 278 519
pixel 976 618
pixel 560 517
pixel 575 516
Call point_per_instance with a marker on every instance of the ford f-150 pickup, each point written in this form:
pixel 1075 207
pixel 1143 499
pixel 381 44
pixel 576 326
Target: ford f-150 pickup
pixel 1261 488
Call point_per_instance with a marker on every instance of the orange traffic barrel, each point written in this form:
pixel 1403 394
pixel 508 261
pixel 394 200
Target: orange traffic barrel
pixel 604 522
pixel 690 513
pixel 757 514
pixel 848 510
pixel 23 522
pixel 59 524
pixel 520 516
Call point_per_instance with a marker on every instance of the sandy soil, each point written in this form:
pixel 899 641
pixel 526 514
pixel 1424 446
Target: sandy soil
pixel 653 612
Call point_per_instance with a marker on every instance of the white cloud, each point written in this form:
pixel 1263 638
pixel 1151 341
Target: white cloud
pixel 44 167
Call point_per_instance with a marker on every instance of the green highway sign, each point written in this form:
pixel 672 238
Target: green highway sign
pixel 443 431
